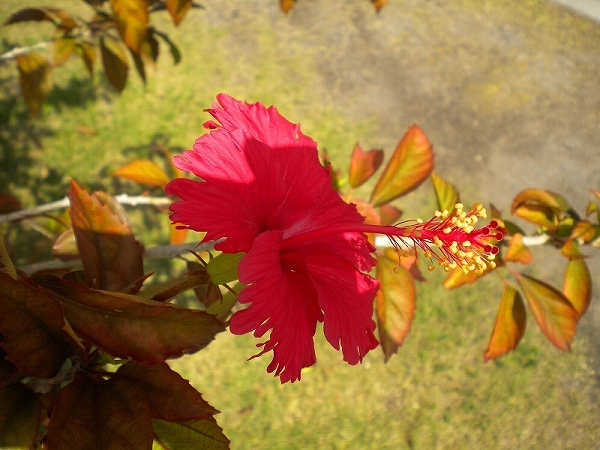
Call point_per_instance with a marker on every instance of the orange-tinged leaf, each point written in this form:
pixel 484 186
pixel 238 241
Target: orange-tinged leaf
pixel 19 417
pixel 456 277
pixel 517 251
pixel 177 236
pixel 538 214
pixel 445 193
pixel 178 9
pixel 510 325
pixel 110 414
pixel 286 5
pixel 62 49
pixel 396 303
pixel 363 165
pixel 540 207
pixel 195 435
pixel 378 4
pixel 131 17
pixel 409 166
pixel 389 214
pixel 111 257
pixel 571 250
pixel 88 55
pixel 577 286
pixel 552 311
pixel 170 396
pixel 596 193
pixel 584 230
pixel 143 171
pixel 128 326
pixel 114 62
pixel 32 323
pixel 35 79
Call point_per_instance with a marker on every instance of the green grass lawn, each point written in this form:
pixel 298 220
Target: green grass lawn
pixel 436 393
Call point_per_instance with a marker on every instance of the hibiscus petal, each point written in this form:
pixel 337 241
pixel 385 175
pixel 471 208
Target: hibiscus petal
pixel 281 301
pixel 346 298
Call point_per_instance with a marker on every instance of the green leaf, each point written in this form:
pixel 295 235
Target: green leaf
pixel 35 80
pixel 111 257
pixel 578 285
pixel 128 326
pixel 510 324
pixel 552 311
pixel 175 53
pixel 166 290
pixel 102 414
pixel 224 268
pixel 202 434
pixel 32 323
pixel 131 17
pixel 445 193
pixel 19 417
pixel 363 165
pixel 114 62
pixel 409 166
pixel 169 395
pixel 143 171
pixel 396 303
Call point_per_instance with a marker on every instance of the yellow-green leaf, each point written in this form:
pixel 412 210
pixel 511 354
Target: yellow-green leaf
pixel 19 417
pixel 114 62
pixel 408 167
pixel 177 9
pixel 131 17
pixel 6 263
pixel 540 207
pixel 62 49
pixel 517 251
pixel 510 324
pixel 88 56
pixel 224 268
pixel 200 434
pixel 143 171
pixel 396 303
pixel 578 285
pixel 445 193
pixel 35 79
pixel 552 311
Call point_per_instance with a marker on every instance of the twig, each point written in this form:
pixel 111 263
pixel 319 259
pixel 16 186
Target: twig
pixel 11 54
pixel 124 199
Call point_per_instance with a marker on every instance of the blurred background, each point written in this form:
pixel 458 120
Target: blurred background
pixel 509 94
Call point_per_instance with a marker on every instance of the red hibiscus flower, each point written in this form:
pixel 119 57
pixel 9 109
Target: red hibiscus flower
pixel 265 193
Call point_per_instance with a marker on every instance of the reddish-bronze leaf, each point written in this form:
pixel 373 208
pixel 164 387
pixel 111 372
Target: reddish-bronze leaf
pixel 19 417
pixel 8 371
pixel 170 288
pixel 445 193
pixel 540 207
pixel 88 56
pixel 32 323
pixel 409 166
pixel 57 16
pixel 577 286
pixel 143 171
pixel 517 251
pixel 456 277
pixel 128 326
pixel 102 414
pixel 510 324
pixel 286 5
pixel 170 396
pixel 114 62
pixel 62 49
pixel 190 436
pixel 363 165
pixel 552 311
pixel 35 79
pixel 8 203
pixel 131 17
pixel 111 257
pixel 178 9
pixel 396 303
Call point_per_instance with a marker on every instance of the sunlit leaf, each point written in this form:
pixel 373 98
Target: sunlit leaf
pixel 32 324
pixel 175 53
pixel 114 62
pixel 172 287
pixel 224 268
pixel 222 309
pixel 363 165
pixel 396 303
pixel 577 285
pixel 128 326
pixel 176 236
pixel 286 5
pixel 445 193
pixel 552 311
pixel 517 251
pixel 178 9
pixel 170 396
pixel 143 171
pixel 408 167
pixel 539 206
pixel 389 214
pixel 202 434
pixel 109 414
pixel 584 230
pixel 65 246
pixel 62 49
pixel 19 417
pixel 378 4
pixel 87 52
pixel 35 79
pixel 510 324
pixel 131 17
pixel 456 277
pixel 111 257
pixel 571 250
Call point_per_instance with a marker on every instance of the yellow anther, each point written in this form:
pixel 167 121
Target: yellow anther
pixel 467 244
pixel 427 254
pixel 437 214
pixel 468 229
pixel 444 214
pixel 419 221
pixel 458 206
pixel 460 254
pixel 417 262
pixel 447 230
pixel 492 265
